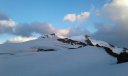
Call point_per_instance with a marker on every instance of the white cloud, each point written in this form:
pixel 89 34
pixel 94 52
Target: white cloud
pixel 62 32
pixel 20 39
pixel 83 16
pixel 74 17
pixel 7 23
pixel 70 17
pixel 6 26
pixel 117 10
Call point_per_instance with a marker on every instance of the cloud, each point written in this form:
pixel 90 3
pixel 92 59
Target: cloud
pixel 70 17
pixel 34 27
pixel 117 11
pixel 116 34
pixel 37 27
pixel 79 28
pixel 20 39
pixel 62 32
pixel 6 24
pixel 78 31
pixel 74 17
pixel 9 26
pixel 27 30
pixel 24 31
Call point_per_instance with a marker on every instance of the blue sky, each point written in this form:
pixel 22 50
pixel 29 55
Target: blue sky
pixel 51 11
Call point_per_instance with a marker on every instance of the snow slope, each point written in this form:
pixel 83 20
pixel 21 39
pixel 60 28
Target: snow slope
pixel 76 62
pixel 85 61
pixel 33 45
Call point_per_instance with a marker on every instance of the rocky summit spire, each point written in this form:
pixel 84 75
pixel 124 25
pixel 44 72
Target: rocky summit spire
pixel 88 41
pixel 87 37
pixel 52 35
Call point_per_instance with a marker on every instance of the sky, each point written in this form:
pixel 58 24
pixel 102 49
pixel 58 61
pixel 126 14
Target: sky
pixel 51 11
pixel 22 20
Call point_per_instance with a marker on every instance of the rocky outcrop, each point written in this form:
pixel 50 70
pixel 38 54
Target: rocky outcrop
pixel 7 54
pixel 88 41
pixel 122 57
pixel 40 49
pixel 110 52
pixel 97 45
pixel 48 35
pixel 72 42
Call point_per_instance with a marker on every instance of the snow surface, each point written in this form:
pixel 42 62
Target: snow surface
pixel 56 63
pixel 86 61
pixel 101 43
pixel 33 45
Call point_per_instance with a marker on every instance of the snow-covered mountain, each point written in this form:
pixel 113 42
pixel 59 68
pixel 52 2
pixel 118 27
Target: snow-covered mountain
pixel 50 55
pixel 47 42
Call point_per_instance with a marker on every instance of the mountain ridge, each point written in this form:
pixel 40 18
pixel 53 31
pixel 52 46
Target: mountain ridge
pixel 51 42
pixel 55 56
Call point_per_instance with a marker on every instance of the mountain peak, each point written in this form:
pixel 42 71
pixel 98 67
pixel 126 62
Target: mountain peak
pixel 52 35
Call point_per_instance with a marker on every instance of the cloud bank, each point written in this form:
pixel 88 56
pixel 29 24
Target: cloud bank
pixel 37 27
pixel 9 26
pixel 117 12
